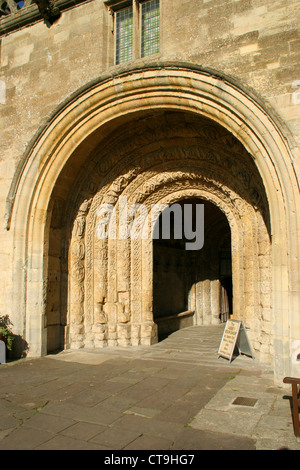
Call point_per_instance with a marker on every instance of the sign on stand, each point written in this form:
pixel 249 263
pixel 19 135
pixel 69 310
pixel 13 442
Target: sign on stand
pixel 2 352
pixel 234 337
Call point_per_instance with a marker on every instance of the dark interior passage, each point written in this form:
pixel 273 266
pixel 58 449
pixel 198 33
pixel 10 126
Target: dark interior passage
pixel 192 287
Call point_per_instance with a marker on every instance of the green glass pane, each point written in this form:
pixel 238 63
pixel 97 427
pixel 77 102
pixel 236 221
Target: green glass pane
pixel 124 35
pixel 150 28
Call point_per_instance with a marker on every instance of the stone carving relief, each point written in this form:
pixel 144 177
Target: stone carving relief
pixel 77 270
pixel 49 10
pixel 9 7
pixel 79 225
pixel 46 9
pixel 100 315
pixel 111 280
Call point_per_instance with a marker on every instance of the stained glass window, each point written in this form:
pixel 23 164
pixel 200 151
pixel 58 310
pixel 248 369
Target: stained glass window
pixel 150 27
pixel 124 35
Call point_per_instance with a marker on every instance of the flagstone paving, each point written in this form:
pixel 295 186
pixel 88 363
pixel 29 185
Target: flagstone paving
pixel 176 395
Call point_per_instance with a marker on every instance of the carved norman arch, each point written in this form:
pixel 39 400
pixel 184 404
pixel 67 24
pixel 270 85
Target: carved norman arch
pixel 75 138
pixel 110 287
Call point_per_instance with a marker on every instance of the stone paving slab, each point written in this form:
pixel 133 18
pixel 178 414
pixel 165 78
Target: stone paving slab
pixel 137 399
pixel 268 421
pixel 81 357
pixel 191 439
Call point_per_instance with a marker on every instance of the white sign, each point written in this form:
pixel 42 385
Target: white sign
pixel 234 337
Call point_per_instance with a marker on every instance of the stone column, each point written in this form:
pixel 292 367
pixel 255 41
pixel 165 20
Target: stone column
pixel 77 268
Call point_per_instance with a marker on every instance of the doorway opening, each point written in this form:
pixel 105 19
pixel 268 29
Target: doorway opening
pixel 192 286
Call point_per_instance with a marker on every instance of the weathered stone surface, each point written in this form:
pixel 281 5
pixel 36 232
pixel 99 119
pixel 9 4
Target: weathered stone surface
pixel 214 116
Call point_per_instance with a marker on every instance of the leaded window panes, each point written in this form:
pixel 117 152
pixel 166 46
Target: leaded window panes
pixel 150 24
pixel 124 35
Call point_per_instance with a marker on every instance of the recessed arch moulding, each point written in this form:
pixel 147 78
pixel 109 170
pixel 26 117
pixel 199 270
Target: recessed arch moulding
pixel 156 135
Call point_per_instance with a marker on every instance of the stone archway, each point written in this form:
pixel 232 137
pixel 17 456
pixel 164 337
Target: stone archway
pixel 167 157
pixel 74 142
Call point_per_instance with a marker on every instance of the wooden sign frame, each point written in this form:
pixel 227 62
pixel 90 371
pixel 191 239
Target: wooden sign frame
pixel 234 337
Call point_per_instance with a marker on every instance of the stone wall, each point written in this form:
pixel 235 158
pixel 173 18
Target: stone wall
pixel 256 45
pixel 44 69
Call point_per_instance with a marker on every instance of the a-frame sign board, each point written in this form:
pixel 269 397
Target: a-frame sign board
pixel 234 337
pixel 2 352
